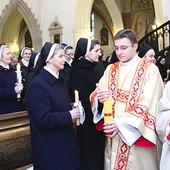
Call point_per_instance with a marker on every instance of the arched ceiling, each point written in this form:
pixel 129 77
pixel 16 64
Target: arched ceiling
pixel 12 16
pixel 13 23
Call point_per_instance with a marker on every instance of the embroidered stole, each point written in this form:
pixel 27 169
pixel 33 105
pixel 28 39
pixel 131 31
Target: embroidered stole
pixel 130 98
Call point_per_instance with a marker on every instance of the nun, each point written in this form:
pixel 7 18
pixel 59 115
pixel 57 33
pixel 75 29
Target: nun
pixel 29 71
pixel 69 55
pixel 9 86
pixel 51 118
pixel 83 77
pixel 147 52
pixel 24 57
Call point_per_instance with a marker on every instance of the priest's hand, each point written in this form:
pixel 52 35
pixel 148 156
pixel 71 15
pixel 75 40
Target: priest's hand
pixel 103 95
pixel 110 128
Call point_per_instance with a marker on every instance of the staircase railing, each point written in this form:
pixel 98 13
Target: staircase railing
pixel 158 39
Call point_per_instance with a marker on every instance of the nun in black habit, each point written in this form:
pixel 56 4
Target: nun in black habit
pixel 28 71
pixel 51 118
pixel 65 73
pixel 83 77
pixel 147 52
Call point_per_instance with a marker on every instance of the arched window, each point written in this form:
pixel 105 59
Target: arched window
pixel 92 23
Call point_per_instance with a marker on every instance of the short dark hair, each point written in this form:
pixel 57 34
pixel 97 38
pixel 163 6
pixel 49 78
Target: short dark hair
pixel 126 33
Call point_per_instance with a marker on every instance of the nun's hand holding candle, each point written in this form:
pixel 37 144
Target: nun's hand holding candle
pixel 79 105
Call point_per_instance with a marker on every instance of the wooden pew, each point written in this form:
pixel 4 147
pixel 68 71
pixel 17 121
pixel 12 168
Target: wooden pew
pixel 15 145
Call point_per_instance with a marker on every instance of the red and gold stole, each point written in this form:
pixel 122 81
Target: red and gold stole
pixel 131 98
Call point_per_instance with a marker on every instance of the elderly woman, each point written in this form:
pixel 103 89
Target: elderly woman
pixel 9 87
pixel 51 118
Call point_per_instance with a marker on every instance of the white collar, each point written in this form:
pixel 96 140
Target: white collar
pixel 56 75
pixel 3 65
pixel 25 62
pixel 69 62
pixel 133 61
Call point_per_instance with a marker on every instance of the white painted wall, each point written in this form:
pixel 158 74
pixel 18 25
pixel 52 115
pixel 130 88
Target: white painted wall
pixel 45 12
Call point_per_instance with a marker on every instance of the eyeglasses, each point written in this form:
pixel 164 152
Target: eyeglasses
pixel 122 48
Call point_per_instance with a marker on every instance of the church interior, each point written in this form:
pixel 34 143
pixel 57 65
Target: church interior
pixel 28 23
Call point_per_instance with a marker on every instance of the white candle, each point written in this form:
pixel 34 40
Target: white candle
pixel 18 67
pixel 19 79
pixel 76 93
pixel 19 76
pixel 167 73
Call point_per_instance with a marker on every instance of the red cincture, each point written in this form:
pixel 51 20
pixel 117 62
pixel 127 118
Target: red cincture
pixel 168 136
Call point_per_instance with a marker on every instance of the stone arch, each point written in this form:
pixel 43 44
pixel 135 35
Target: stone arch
pixel 115 14
pixel 18 7
pixel 82 17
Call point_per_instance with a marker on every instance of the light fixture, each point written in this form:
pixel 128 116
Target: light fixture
pixel 154 26
pixel 14 48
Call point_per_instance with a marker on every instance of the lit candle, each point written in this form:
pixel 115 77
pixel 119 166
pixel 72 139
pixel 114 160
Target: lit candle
pixel 18 67
pixel 76 93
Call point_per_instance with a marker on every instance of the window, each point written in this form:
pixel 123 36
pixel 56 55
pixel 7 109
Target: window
pixel 92 23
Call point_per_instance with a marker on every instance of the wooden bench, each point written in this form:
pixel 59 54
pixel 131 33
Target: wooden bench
pixel 15 142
